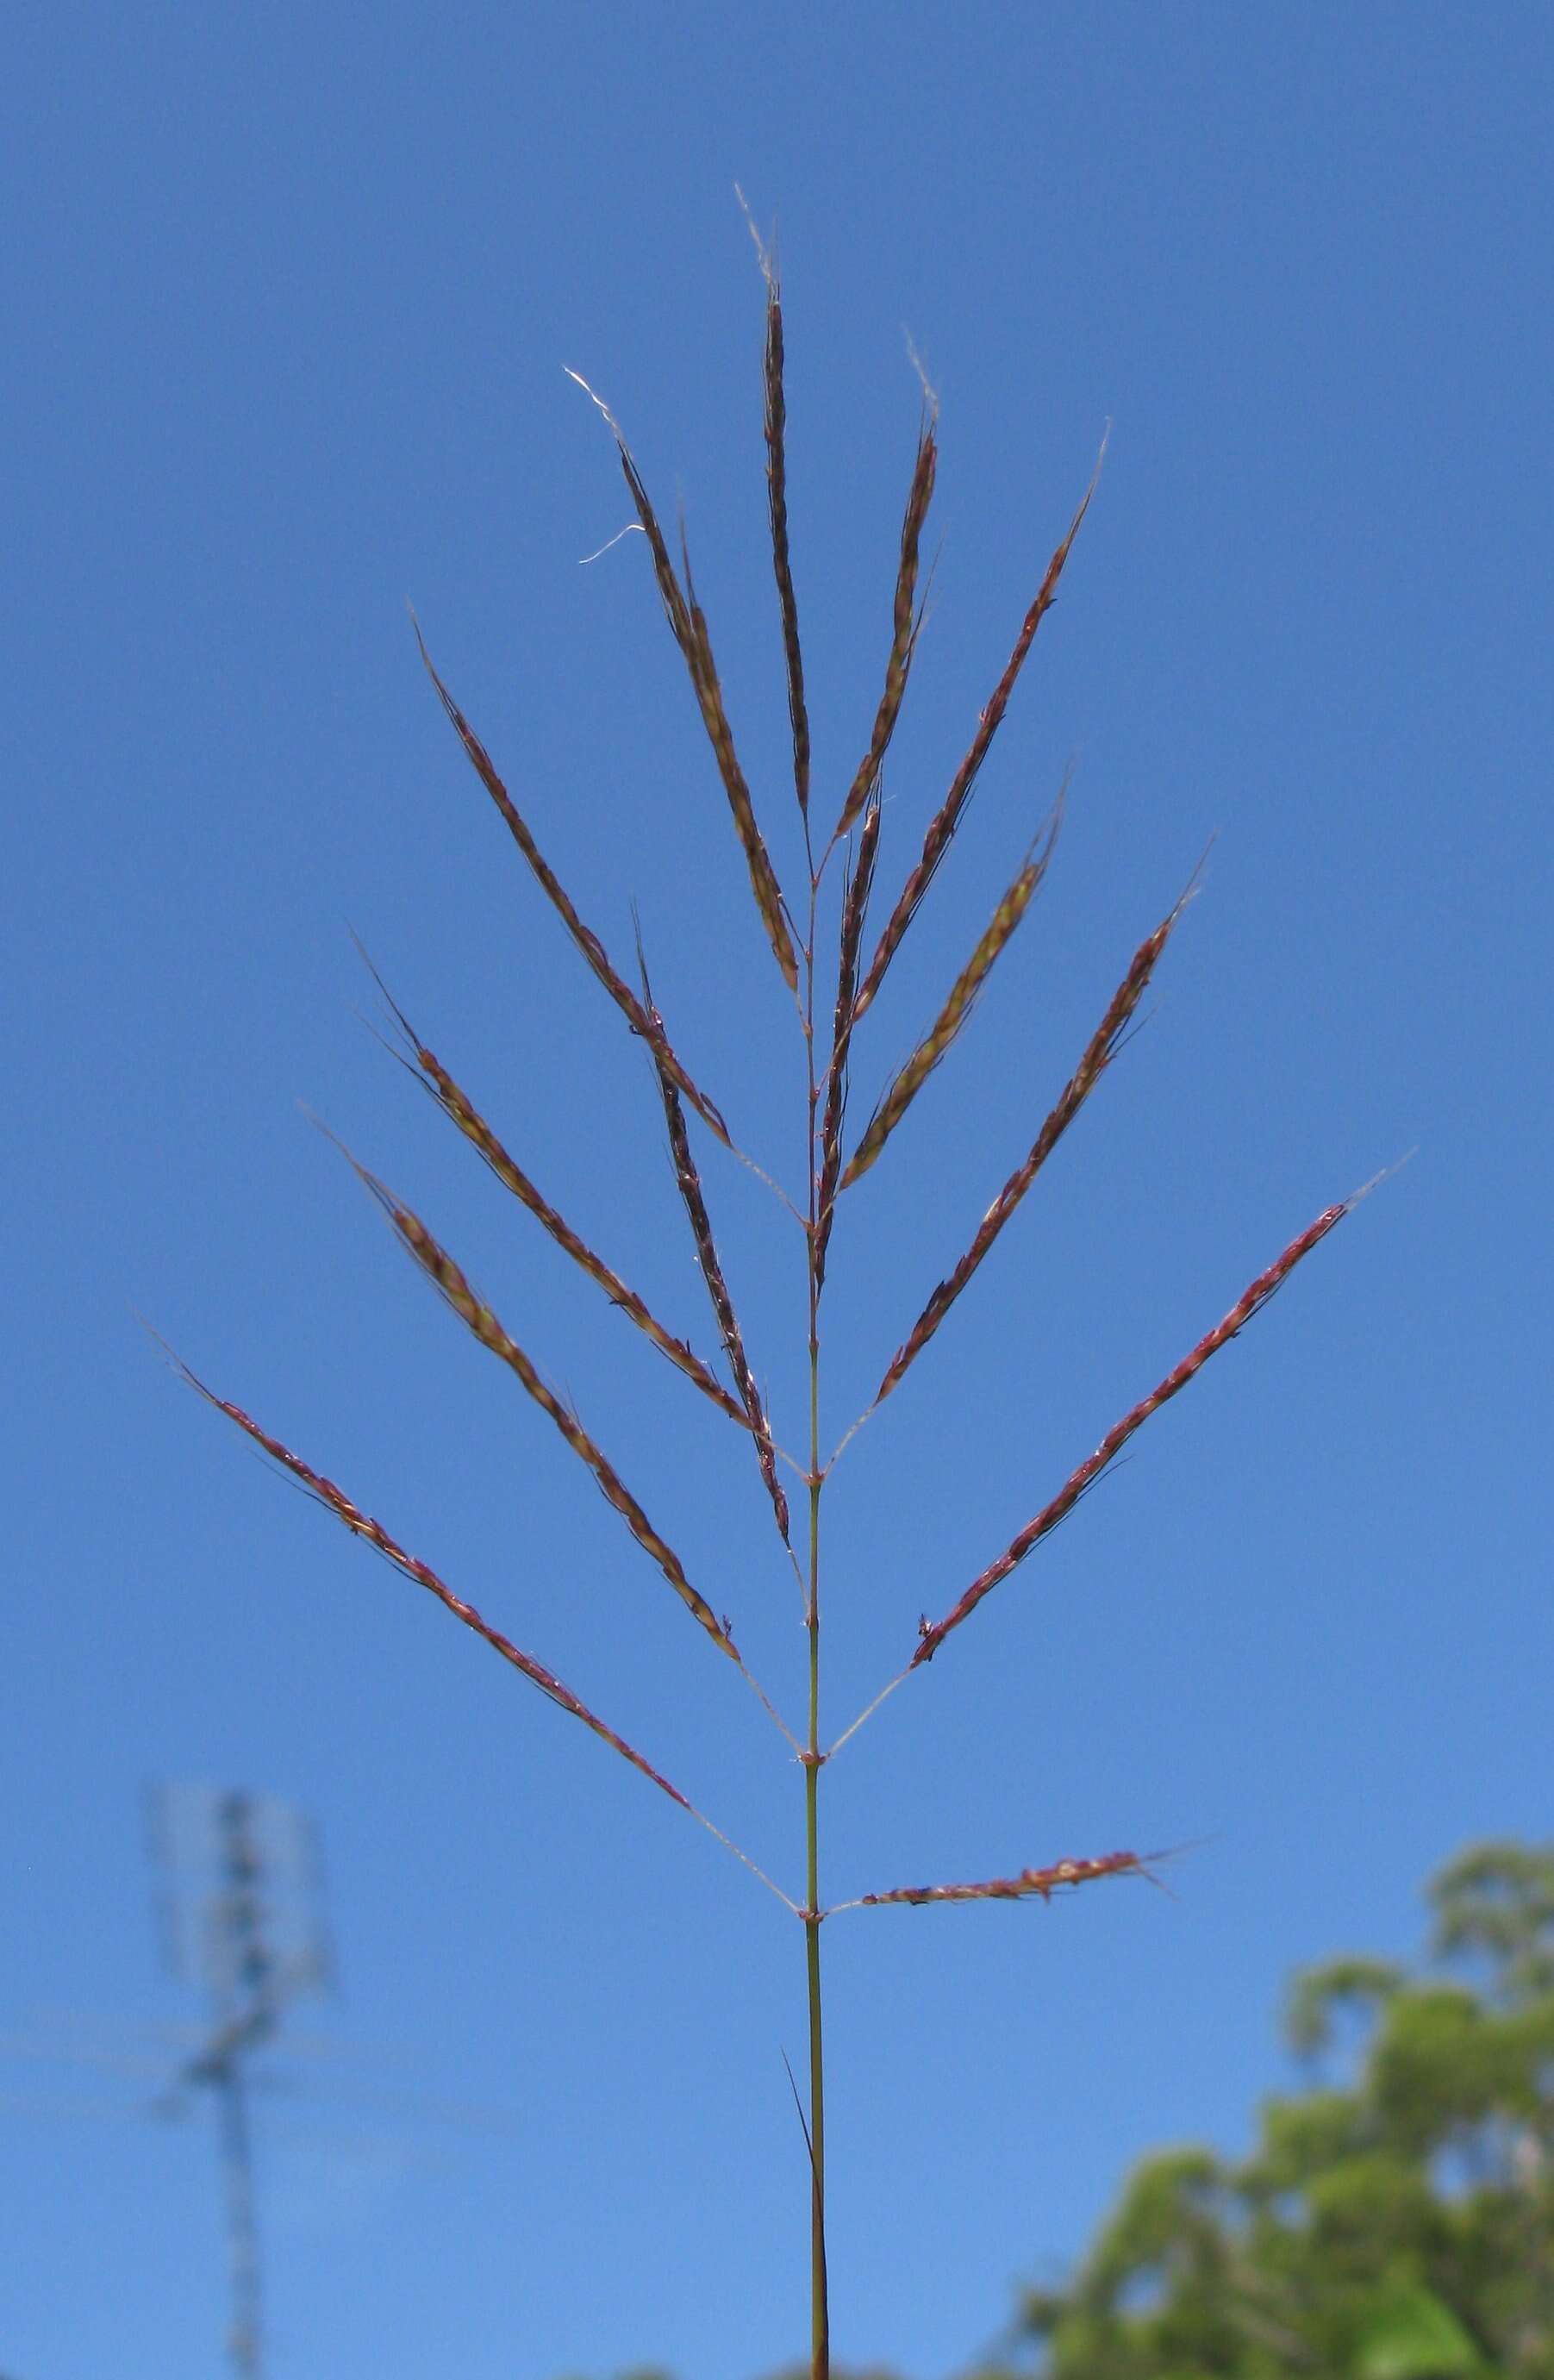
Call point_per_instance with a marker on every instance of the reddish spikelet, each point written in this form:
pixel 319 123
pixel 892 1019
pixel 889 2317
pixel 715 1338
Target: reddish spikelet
pixel 587 942
pixel 763 875
pixel 1098 1054
pixel 1089 1471
pixel 855 908
pixel 478 1318
pixel 456 1104
pixel 688 628
pixel 904 624
pixel 689 1181
pixel 777 501
pixel 941 827
pixel 361 1524
pixel 952 1015
pixel 1040 1882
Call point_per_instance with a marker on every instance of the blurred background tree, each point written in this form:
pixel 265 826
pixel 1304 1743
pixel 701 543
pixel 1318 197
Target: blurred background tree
pixel 1395 2220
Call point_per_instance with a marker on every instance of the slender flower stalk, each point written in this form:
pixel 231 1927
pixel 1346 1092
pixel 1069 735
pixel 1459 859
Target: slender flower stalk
pixel 812 1756
pixel 794 938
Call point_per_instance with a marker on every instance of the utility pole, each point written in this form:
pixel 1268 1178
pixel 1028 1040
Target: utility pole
pixel 238 1897
pixel 241 1905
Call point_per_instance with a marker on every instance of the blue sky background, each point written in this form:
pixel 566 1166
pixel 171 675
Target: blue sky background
pixel 289 295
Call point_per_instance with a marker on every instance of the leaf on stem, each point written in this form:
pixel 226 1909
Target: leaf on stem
pixel 956 1009
pixel 1098 1054
pixel 587 942
pixel 1254 1298
pixel 941 827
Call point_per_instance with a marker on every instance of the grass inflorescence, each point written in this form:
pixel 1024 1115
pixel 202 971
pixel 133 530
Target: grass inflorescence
pixel 792 930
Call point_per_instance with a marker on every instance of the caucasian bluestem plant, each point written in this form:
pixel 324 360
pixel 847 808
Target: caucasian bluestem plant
pixel 833 981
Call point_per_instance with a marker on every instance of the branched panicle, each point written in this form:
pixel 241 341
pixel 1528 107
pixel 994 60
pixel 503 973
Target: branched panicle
pixel 688 628
pixel 854 908
pixel 829 1171
pixel 1098 1054
pixel 361 1524
pixel 587 942
pixel 906 622
pixel 1032 1882
pixel 777 501
pixel 942 826
pixel 478 1318
pixel 1251 1299
pixel 690 1183
pixel 460 1109
pixel 952 1015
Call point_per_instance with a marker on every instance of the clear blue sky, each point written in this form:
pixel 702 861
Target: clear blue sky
pixel 289 295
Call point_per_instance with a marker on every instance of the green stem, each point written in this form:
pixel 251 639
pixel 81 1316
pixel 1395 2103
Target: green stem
pixel 819 2310
pixel 821 2320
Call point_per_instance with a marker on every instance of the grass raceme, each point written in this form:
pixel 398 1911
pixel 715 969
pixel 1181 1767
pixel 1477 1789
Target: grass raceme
pixel 818 934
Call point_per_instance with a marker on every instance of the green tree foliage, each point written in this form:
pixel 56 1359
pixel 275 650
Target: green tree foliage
pixel 1396 2219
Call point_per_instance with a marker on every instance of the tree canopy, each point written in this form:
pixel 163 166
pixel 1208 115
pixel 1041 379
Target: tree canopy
pixel 1395 2220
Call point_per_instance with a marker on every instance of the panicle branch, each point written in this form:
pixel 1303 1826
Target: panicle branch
pixel 956 1009
pixel 1251 1299
pixel 478 1318
pixel 689 626
pixel 1038 1883
pixel 855 908
pixel 904 624
pixel 689 1183
pixel 1098 1053
pixel 587 942
pixel 941 827
pixel 361 1524
pixel 460 1109
pixel 777 504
